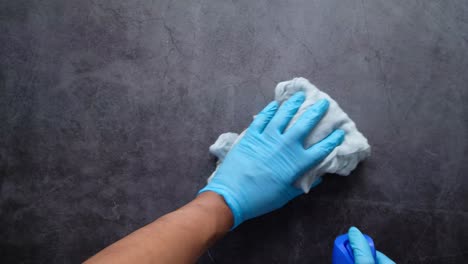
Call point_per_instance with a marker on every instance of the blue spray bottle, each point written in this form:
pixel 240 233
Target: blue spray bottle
pixel 343 253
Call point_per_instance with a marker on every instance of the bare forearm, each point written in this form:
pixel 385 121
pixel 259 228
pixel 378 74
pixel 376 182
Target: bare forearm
pixel 178 237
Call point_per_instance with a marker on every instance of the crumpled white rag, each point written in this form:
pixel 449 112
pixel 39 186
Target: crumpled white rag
pixel 341 161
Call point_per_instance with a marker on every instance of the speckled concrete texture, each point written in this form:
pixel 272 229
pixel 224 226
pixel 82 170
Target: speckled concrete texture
pixel 107 110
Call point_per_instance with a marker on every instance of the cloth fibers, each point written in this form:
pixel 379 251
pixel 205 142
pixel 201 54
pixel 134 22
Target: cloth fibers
pixel 341 161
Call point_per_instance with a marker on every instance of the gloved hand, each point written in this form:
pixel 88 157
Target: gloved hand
pixel 361 250
pixel 257 175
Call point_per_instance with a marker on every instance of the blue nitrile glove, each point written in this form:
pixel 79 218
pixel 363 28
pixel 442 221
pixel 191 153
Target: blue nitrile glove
pixel 257 175
pixel 361 250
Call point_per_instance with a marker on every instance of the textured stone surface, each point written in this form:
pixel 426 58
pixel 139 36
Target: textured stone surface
pixel 107 109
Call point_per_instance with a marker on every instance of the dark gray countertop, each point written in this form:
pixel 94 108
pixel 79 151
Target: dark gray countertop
pixel 107 110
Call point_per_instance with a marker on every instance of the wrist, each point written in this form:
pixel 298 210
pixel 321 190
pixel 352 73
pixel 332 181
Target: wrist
pixel 229 200
pixel 219 212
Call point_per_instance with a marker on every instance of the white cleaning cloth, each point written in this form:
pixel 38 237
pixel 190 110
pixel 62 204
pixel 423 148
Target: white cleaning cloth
pixel 341 161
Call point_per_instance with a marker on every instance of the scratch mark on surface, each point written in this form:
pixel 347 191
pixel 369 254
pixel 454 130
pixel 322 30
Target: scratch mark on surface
pixel 172 39
pixel 114 210
pixel 418 241
pixel 431 153
pixel 391 205
pixel 211 257
pixel 381 71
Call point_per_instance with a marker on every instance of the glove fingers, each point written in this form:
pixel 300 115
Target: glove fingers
pixel 322 149
pixel 382 259
pixel 311 117
pixel 361 250
pixel 264 117
pixel 286 112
